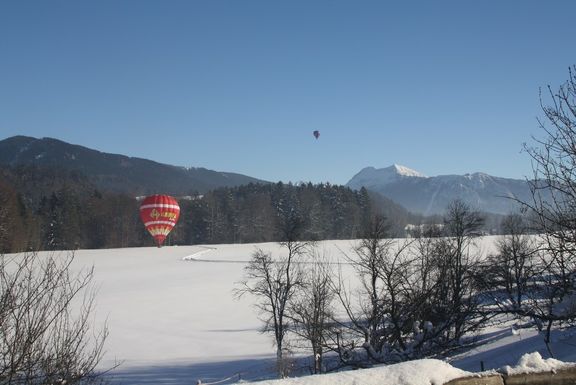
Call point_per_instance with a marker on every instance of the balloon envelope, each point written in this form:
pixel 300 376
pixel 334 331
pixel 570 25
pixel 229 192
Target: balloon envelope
pixel 159 213
pixel 316 134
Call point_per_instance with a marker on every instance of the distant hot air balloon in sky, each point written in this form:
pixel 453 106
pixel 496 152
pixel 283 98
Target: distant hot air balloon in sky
pixel 316 134
pixel 159 214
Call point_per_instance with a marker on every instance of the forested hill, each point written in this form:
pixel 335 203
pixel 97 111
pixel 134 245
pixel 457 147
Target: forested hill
pixel 112 172
pixel 51 208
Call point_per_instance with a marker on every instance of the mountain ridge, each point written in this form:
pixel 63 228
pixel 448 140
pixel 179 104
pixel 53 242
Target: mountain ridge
pixel 416 192
pixel 115 172
pixel 430 195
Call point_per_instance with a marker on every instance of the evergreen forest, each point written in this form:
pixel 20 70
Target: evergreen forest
pixel 55 209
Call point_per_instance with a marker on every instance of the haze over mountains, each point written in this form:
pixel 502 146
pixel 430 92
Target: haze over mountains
pixel 431 195
pixel 416 192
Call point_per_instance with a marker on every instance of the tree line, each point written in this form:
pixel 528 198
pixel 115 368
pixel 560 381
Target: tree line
pixel 50 209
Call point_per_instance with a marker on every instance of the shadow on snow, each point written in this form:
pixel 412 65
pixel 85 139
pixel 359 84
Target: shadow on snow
pixel 224 372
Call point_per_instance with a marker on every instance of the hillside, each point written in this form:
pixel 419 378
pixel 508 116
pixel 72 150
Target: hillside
pixel 113 172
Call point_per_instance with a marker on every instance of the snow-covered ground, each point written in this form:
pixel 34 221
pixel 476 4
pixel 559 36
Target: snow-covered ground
pixel 173 318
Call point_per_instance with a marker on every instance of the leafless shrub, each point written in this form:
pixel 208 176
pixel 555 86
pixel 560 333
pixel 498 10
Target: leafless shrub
pixel 45 314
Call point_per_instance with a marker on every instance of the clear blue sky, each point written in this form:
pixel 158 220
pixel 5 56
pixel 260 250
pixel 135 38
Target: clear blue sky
pixel 443 87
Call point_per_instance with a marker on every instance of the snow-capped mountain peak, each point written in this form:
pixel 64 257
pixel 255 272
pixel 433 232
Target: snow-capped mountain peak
pixel 432 195
pixel 405 171
pixel 382 176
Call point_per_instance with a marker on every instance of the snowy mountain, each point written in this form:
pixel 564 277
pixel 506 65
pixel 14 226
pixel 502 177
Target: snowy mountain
pixel 114 172
pixel 371 176
pixel 431 195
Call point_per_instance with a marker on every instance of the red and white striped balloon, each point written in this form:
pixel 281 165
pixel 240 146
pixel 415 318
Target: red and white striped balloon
pixel 159 214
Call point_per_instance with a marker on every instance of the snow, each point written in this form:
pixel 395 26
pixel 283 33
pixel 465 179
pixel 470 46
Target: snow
pixel 385 175
pixel 370 176
pixel 534 363
pixel 173 319
pixel 405 171
pixel 566 306
pixel 420 372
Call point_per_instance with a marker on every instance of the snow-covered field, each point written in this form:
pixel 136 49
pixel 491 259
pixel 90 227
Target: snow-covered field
pixel 173 318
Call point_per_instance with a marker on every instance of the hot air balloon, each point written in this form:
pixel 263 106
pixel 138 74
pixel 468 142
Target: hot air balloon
pixel 316 134
pixel 159 214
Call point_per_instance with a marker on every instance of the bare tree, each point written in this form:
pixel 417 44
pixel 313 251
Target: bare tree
pixel 554 165
pixel 373 249
pixel 554 199
pixel 311 310
pixel 273 282
pixel 368 319
pixel 45 314
pixel 377 312
pixel 416 297
pixel 508 276
pixel 457 261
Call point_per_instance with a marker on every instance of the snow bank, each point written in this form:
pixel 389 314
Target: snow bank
pixel 420 372
pixel 533 363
